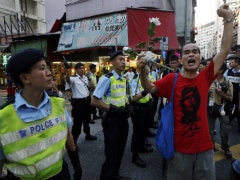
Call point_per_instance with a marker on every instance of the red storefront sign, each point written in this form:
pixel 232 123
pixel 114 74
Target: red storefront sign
pixel 138 22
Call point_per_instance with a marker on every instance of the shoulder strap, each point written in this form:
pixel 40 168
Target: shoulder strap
pixel 108 75
pixel 10 100
pixel 174 83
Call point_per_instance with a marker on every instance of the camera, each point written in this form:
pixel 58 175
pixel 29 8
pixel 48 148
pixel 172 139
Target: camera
pixel 224 87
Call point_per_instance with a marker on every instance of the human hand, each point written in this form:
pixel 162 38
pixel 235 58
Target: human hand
pixel 141 61
pixel 225 12
pixel 219 91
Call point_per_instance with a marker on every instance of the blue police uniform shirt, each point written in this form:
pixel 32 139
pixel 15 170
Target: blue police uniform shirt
pixel 103 86
pixel 135 86
pixel 233 70
pixel 155 75
pixel 26 111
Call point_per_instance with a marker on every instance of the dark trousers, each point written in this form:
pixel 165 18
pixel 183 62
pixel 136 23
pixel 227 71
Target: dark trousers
pixel 63 175
pixel 236 113
pixel 93 110
pixel 140 118
pixel 153 109
pixel 81 115
pixel 115 130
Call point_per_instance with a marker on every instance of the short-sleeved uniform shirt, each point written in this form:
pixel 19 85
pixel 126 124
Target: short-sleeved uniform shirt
pixel 103 86
pixel 191 132
pixel 79 86
pixel 29 113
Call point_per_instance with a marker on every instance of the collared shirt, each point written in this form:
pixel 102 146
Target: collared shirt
pixel 235 79
pixel 233 70
pixel 29 113
pixel 103 86
pixel 79 86
pixel 155 75
pixel 135 85
pixel 129 75
pixel 93 77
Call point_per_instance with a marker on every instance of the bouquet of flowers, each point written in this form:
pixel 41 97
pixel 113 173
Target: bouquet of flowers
pixel 149 45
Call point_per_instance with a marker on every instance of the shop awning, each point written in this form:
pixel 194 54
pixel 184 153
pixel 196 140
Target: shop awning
pixel 58 24
pixel 102 31
pixel 120 29
pixel 5 48
pixel 138 22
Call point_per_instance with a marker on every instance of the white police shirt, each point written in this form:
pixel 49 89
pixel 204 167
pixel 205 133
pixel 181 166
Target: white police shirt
pixel 79 86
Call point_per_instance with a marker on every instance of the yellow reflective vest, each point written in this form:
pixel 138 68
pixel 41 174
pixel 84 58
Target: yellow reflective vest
pixel 144 99
pixel 118 93
pixel 34 150
pixel 93 78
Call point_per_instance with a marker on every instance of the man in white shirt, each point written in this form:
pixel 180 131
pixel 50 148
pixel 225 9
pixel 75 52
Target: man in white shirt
pixel 80 85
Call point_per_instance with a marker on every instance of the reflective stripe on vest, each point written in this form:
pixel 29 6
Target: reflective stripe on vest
pixel 35 150
pixel 233 77
pixel 93 78
pixel 146 98
pixel 118 95
pixel 29 170
pixel 151 77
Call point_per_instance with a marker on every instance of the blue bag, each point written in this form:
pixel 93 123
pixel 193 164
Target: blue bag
pixel 165 133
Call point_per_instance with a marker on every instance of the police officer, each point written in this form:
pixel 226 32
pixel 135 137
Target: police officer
pixel 80 85
pixel 35 127
pixel 233 75
pixel 140 117
pixel 110 96
pixel 92 76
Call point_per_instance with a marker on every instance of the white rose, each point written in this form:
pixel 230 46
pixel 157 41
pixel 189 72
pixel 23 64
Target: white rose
pixel 155 20
pixel 124 51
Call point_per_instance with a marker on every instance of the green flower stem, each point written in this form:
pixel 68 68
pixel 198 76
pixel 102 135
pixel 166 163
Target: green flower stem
pixel 163 66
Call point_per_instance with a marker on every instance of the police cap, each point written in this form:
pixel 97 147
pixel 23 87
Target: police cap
pixel 78 65
pixel 234 57
pixel 23 60
pixel 114 54
pixel 92 66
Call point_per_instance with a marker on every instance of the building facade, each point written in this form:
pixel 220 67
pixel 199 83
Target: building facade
pixel 18 18
pixel 210 35
pixel 183 10
pixel 204 38
pixel 21 17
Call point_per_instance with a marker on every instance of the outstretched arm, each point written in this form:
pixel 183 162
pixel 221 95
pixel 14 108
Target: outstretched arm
pixel 226 13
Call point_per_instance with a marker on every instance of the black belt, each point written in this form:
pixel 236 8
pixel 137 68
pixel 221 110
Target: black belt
pixel 85 98
pixel 140 104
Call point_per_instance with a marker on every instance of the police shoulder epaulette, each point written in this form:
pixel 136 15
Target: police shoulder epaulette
pixel 135 76
pixel 9 101
pixel 108 75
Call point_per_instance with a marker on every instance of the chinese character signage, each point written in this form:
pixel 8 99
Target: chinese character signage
pixel 94 32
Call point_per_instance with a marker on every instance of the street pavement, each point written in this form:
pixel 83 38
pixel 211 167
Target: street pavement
pixel 92 155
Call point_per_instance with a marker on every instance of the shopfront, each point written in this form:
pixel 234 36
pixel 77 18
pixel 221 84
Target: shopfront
pixel 93 39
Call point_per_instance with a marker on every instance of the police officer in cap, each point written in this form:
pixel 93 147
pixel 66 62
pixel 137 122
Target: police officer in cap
pixel 110 96
pixel 92 76
pixel 233 75
pixel 35 127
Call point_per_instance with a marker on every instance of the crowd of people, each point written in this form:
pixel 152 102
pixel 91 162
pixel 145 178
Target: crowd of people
pixel 205 91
